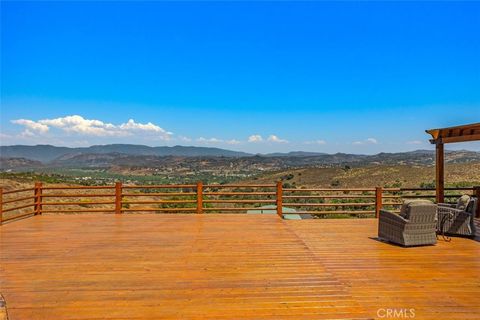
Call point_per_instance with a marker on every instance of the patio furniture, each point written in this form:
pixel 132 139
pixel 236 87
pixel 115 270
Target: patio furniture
pixel 458 219
pixel 414 226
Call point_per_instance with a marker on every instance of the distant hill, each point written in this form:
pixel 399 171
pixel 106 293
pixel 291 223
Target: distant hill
pixel 407 176
pixel 200 158
pixel 14 163
pixel 47 153
pixel 295 154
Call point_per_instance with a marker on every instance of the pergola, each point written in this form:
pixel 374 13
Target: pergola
pixel 468 132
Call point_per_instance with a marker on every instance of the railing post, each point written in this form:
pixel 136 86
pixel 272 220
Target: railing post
pixel 199 197
pixel 38 198
pixel 279 199
pixel 118 197
pixel 1 205
pixel 476 192
pixel 378 201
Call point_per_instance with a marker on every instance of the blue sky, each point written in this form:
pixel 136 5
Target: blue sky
pixel 255 76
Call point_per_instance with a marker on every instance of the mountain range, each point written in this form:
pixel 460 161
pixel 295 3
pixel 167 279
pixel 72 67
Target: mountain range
pixel 47 153
pixel 123 155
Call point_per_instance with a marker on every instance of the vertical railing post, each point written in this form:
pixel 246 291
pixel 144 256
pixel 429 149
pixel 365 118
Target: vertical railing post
pixel 279 199
pixel 37 198
pixel 199 197
pixel 476 192
pixel 1 205
pixel 440 172
pixel 378 201
pixel 118 197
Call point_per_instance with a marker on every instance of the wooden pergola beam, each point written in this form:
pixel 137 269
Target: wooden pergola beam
pixel 465 133
pixel 465 138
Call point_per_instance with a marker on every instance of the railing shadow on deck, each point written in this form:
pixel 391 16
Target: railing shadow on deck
pixel 211 198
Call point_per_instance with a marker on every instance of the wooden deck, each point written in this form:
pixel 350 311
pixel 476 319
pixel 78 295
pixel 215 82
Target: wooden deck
pixel 148 266
pixel 439 282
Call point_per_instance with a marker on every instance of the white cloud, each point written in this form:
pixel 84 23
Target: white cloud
pixel 76 124
pixel 209 140
pixel 232 142
pixel 184 139
pixel 274 138
pixel 366 141
pixel 415 142
pixel 134 126
pixel 27 134
pixel 31 125
pixel 255 138
pixel 319 142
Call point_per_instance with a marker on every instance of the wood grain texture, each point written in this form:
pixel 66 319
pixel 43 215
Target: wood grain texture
pixel 107 266
pixel 439 282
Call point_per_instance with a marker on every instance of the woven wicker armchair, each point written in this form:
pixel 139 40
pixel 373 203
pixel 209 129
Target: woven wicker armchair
pixel 414 226
pixel 458 219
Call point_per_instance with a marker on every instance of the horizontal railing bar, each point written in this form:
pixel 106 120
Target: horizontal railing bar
pixel 77 187
pixel 18 199
pixel 332 212
pixel 239 186
pixel 159 209
pixel 240 201
pixel 159 202
pixel 238 209
pixel 426 189
pixel 327 189
pixel 431 196
pixel 75 203
pixel 76 195
pixel 162 186
pixel 331 197
pixel 239 193
pixel 351 204
pixel 19 207
pixel 78 210
pixel 19 216
pixel 19 190
pixel 159 194
pixel 422 195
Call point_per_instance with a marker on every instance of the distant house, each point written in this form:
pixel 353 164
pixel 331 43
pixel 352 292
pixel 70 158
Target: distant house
pixel 288 213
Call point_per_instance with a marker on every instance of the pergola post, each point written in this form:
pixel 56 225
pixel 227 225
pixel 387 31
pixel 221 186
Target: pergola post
pixel 468 132
pixel 440 172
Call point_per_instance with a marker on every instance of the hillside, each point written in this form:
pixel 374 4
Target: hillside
pixel 467 174
pixel 14 163
pixel 46 153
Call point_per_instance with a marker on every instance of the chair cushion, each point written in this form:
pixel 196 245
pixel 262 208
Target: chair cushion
pixel 463 201
pixel 471 207
pixel 404 211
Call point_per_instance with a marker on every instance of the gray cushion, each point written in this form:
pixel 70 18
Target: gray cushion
pixel 404 211
pixel 463 201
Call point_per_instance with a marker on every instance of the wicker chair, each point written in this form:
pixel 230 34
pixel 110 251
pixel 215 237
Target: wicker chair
pixel 458 219
pixel 414 226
